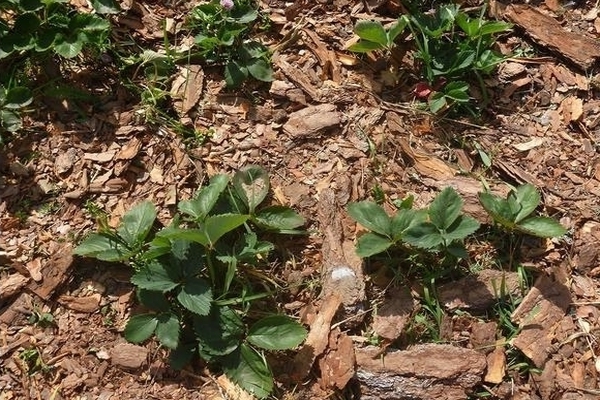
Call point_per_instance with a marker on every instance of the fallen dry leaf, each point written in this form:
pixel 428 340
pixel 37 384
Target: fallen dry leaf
pixel 156 175
pixel 346 59
pixel 427 164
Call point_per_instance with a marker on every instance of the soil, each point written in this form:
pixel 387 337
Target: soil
pixel 332 128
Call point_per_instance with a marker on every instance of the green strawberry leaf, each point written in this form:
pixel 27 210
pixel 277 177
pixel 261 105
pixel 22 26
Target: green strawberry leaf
pixel 249 369
pixel 103 247
pixel 218 333
pixel 218 225
pixel 167 330
pixel 278 218
pixel 372 31
pixel 406 219
pixel 541 227
pixel 529 198
pixel 137 223
pixel 461 228
pixel 372 216
pixel 140 327
pixel 199 207
pixel 370 244
pixel 425 235
pixel 155 276
pixel 276 332
pixel 445 208
pixel 196 296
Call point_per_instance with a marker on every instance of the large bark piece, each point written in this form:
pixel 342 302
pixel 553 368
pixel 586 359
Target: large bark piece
pixel 539 316
pixel 424 372
pixel 342 268
pixel 580 49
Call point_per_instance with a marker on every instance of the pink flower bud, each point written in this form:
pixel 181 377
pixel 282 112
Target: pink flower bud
pixel 227 4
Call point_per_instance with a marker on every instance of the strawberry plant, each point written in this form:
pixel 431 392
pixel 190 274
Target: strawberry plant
pixel 222 37
pixel 190 276
pixel 441 226
pixel 514 212
pixel 48 26
pixel 451 48
pixel 33 30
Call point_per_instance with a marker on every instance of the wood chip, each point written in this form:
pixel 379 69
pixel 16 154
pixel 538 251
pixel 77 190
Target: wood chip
pixel 327 58
pixel 563 75
pixel 64 161
pixel 11 285
pixel 34 268
pixel 87 304
pixel 311 121
pixel 130 150
pixel 477 292
pixel 232 390
pixel 553 5
pixel 298 77
pixel 54 271
pixel 341 269
pixel 129 355
pixel 496 366
pixel 517 174
pixel 571 108
pixel 483 336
